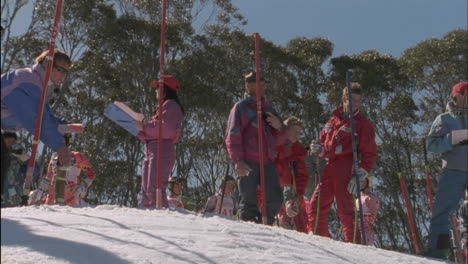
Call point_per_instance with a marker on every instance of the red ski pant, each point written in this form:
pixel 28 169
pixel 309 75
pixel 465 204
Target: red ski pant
pixel 333 183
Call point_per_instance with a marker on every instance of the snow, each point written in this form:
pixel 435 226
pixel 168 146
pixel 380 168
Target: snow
pixel 113 234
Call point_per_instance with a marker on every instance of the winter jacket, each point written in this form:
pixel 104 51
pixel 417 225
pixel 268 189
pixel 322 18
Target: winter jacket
pixel 336 138
pixel 291 157
pixel 172 123
pixel 439 140
pixel 242 133
pixel 80 162
pixel 21 94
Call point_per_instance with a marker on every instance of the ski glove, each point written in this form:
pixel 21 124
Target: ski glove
pixel 353 186
pixel 241 168
pixel 292 209
pixel 315 147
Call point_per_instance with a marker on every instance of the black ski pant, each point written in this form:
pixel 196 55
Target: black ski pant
pixel 248 185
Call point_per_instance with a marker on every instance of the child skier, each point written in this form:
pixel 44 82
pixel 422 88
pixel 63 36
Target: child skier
pixel 75 186
pixel 175 186
pixel 226 204
pixel 370 207
pixel 292 171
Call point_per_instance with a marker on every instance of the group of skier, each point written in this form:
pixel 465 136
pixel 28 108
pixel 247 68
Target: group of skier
pixel 284 168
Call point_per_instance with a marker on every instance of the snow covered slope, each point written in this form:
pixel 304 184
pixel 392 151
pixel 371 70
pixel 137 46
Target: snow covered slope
pixel 112 234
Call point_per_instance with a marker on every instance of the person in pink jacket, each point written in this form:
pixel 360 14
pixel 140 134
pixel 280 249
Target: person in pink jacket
pixel 172 116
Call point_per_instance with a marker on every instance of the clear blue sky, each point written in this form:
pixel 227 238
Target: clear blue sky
pixel 388 26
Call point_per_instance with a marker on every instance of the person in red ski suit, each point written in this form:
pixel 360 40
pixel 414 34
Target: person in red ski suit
pixel 336 146
pixel 292 171
pixel 242 147
pixel 76 187
pixel 172 115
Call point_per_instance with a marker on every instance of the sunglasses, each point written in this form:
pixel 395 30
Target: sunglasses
pixel 61 69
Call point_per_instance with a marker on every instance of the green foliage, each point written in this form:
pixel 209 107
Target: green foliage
pixel 115 51
pixel 434 66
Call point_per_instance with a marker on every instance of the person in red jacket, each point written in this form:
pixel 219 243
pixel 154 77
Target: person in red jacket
pixel 336 182
pixel 292 171
pixel 76 186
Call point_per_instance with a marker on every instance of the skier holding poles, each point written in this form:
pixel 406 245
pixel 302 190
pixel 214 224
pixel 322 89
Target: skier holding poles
pixel 337 179
pixel 449 136
pixel 245 132
pixel 21 97
pixel 292 170
pixel 30 88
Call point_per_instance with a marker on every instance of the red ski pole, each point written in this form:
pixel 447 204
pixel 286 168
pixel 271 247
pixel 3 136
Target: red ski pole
pixel 160 104
pixel 408 213
pixel 40 112
pixel 260 126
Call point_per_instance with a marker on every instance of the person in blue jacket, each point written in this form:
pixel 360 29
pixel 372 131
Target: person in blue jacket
pixel 21 91
pixel 449 136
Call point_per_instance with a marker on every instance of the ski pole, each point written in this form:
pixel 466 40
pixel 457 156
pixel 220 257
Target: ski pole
pixel 428 176
pixel 40 112
pixel 355 156
pixel 160 104
pixel 318 187
pixel 292 167
pixel 260 126
pixel 355 219
pixel 408 213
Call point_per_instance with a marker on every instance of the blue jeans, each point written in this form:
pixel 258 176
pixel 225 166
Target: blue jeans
pixel 248 190
pixel 452 185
